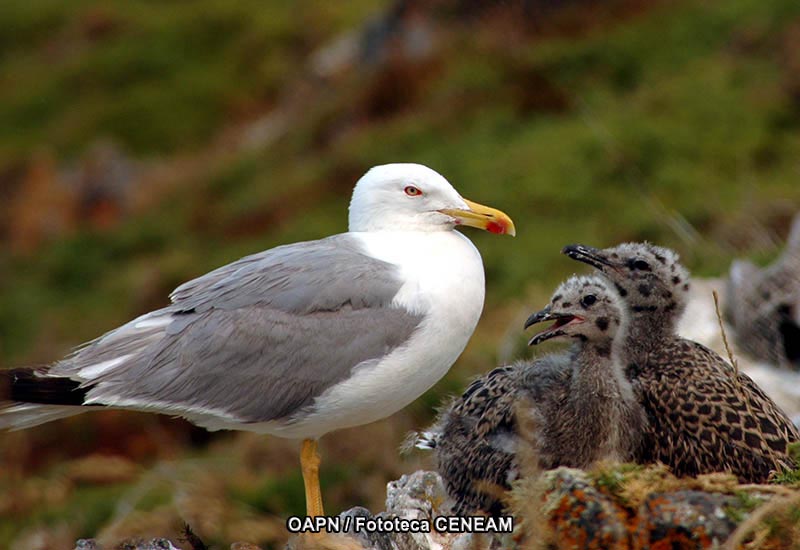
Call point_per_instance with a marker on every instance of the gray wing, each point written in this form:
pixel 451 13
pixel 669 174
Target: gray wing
pixel 257 339
pixel 298 278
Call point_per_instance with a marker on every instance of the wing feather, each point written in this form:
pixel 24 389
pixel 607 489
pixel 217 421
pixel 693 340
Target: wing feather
pixel 256 340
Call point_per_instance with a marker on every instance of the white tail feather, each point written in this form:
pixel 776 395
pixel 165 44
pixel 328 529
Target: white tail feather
pixel 427 441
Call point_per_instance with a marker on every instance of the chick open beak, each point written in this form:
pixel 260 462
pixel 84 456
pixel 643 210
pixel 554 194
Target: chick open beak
pixel 482 217
pixel 547 314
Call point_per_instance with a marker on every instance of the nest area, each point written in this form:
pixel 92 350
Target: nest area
pixel 630 506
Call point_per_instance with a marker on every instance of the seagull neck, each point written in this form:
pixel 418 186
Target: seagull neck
pixel 416 246
pixel 388 224
pixel 598 373
pixel 441 267
pixel 647 331
pixel 596 352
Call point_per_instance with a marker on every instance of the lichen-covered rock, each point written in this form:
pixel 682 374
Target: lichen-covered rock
pixel 414 496
pixel 616 508
pixel 417 496
pixel 637 508
pixel 420 495
pixel 683 520
pixel 580 515
pixel 383 540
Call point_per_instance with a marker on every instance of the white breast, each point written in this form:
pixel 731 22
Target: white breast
pixel 445 282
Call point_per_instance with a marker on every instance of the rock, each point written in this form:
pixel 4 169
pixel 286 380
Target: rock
pixel 618 507
pixel 417 496
pixel 154 544
pixel 413 496
pixel 580 515
pixel 377 540
pixel 684 520
pixel 420 494
pixel 634 508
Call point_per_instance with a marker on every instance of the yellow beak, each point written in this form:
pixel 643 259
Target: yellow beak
pixel 482 217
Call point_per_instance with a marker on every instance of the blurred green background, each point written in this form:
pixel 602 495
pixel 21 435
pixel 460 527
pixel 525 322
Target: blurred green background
pixel 144 143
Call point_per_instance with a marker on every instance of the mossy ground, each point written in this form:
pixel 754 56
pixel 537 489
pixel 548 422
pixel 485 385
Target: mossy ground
pixel 764 516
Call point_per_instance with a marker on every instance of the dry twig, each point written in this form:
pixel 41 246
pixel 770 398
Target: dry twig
pixel 737 384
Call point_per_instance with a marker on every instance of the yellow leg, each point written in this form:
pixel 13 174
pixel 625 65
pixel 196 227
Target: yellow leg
pixel 309 462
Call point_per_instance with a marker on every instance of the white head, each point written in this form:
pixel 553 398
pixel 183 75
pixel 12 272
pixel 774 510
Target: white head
pixel 412 197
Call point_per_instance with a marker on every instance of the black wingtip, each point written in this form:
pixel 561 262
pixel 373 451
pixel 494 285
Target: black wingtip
pixel 28 386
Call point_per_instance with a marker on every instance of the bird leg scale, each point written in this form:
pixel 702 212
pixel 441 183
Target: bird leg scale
pixel 309 461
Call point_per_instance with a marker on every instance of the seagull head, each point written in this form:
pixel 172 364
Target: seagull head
pixel 583 308
pixel 412 197
pixel 651 279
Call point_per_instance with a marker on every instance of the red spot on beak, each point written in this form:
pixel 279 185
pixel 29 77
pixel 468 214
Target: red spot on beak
pixel 496 228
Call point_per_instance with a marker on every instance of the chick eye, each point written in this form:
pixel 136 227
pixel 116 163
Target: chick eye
pixel 412 191
pixel 588 300
pixel 640 265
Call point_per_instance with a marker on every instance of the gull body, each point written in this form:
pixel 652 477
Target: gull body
pixel 431 285
pixel 298 340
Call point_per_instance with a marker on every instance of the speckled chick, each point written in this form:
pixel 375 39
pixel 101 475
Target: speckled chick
pixel 702 416
pixel 763 305
pixel 571 409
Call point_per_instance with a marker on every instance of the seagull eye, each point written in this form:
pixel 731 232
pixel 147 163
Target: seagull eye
pixel 588 300
pixel 640 265
pixel 412 191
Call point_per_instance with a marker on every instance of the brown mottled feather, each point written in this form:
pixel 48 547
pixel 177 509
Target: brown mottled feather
pixel 567 409
pixel 699 418
pixel 475 471
pixel 703 417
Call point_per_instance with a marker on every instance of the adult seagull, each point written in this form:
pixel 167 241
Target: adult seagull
pixel 298 340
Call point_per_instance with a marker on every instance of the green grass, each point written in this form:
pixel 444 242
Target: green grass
pixel 743 505
pixel 157 77
pixel 790 477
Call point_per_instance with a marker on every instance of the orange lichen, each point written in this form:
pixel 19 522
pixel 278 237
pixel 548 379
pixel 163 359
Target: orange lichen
pixel 577 511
